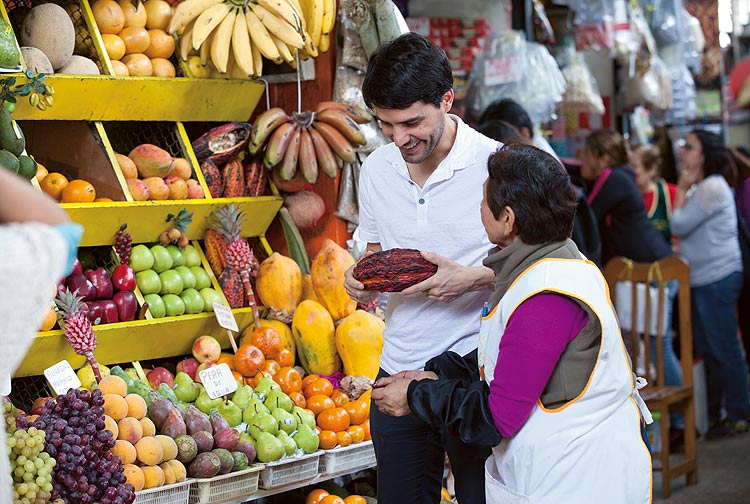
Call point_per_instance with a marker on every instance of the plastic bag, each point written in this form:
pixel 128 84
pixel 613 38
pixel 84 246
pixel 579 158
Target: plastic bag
pixel 653 88
pixel 362 17
pixel 693 41
pixel 665 22
pixel 389 20
pixel 543 32
pixel 352 52
pixel 347 88
pixel 582 93
pixel 593 23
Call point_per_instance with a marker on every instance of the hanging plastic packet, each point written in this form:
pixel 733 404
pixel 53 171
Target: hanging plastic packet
pixel 652 88
pixel 364 20
pixel 626 40
pixel 347 88
pixel 352 52
pixel 582 93
pixel 543 32
pixel 389 21
pixel 693 41
pixel 665 22
pixel 347 207
pixel 593 23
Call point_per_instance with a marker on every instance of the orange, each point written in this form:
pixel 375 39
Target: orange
pixel 309 378
pixel 328 439
pixel 298 398
pixel 109 16
pixel 114 45
pixel 158 14
pixel 237 376
pixel 354 499
pixel 319 386
pixel 249 360
pixel 161 44
pixel 138 65
pixel 357 432
pixel 289 379
pixel 53 184
pixel 50 318
pixel 163 67
pixel 339 397
pixel 331 499
pixel 285 358
pixel 100 200
pixel 319 403
pixel 268 340
pixel 136 39
pixel 316 496
pixel 226 358
pixel 271 367
pixel 78 191
pixel 358 410
pixel 41 172
pixel 366 426
pixel 334 419
pixel 344 438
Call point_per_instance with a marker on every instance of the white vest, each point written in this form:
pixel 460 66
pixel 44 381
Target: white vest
pixel 589 450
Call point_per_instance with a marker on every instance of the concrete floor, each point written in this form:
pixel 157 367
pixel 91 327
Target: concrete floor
pixel 723 475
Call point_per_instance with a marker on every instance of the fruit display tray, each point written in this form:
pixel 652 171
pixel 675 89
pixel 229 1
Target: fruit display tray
pixel 289 470
pixel 225 488
pixel 355 456
pixel 176 493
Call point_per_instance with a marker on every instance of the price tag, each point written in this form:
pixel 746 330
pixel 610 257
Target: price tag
pixel 218 381
pixel 225 317
pixel 502 70
pixel 62 377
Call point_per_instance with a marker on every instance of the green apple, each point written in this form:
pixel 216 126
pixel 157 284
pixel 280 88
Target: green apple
pixel 141 258
pixel 162 258
pixel 178 259
pixel 155 305
pixel 202 280
pixel 188 278
pixel 193 301
pixel 148 281
pixel 171 282
pixel 173 304
pixel 192 257
pixel 210 296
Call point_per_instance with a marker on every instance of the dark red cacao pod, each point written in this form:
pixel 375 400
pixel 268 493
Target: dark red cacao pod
pixel 222 143
pixel 213 178
pixel 393 270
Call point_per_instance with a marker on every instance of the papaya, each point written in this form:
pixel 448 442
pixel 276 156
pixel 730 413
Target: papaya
pixel 359 342
pixel 308 292
pixel 314 336
pixel 279 285
pixel 327 272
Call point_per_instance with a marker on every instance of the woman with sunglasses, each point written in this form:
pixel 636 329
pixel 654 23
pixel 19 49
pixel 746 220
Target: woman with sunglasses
pixel 705 221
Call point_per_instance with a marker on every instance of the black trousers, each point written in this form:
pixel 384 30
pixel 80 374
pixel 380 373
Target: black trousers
pixel 410 458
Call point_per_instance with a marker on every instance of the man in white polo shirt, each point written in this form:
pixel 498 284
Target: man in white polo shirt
pixel 423 191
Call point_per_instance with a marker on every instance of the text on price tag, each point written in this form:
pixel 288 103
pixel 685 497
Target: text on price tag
pixel 61 377
pixel 225 317
pixel 218 381
pixel 502 70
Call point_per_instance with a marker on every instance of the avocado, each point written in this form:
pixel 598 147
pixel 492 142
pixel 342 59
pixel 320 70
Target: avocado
pixel 9 140
pixel 26 167
pixel 9 161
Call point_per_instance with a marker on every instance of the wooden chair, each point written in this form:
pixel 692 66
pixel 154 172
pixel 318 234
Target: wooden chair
pixel 658 396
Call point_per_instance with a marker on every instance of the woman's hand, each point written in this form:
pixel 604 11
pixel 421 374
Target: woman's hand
pixel 451 279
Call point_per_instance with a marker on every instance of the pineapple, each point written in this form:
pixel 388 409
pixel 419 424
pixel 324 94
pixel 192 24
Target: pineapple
pixel 238 255
pixel 78 330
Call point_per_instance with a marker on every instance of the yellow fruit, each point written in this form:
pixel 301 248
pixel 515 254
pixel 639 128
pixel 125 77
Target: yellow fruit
pixel 134 476
pixel 125 450
pixel 158 14
pixel 283 330
pixel 115 406
pixel 120 68
pixel 180 472
pixel 308 292
pixel 136 39
pixel 136 406
pixel 149 429
pixel 138 65
pixel 359 342
pixel 109 16
pixel 161 44
pixel 86 375
pixel 113 385
pixel 314 332
pixel 130 430
pixel 134 16
pixel 111 425
pixel 169 475
pixel 149 451
pixel 153 476
pixel 198 69
pixel 327 271
pixel 163 68
pixel 49 320
pixel 114 45
pixel 279 284
pixel 169 447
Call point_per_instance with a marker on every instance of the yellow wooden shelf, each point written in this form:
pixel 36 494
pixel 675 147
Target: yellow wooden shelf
pixel 130 341
pixel 109 98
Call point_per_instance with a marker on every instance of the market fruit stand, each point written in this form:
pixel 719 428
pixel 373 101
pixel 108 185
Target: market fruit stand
pixel 123 111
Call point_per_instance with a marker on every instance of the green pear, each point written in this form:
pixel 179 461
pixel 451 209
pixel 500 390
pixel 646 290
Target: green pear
pixel 306 439
pixel 289 445
pixel 185 388
pixel 264 386
pixel 205 403
pixel 287 422
pixel 304 416
pixel 245 436
pixel 278 399
pixel 242 396
pixel 255 406
pixel 268 448
pixel 231 413
pixel 263 422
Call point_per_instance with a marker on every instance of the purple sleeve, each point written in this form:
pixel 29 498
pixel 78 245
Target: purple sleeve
pixel 534 339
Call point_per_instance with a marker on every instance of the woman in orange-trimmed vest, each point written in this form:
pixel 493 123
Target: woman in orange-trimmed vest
pixel 551 386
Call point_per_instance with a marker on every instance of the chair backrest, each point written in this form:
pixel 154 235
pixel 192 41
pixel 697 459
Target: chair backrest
pixel 646 311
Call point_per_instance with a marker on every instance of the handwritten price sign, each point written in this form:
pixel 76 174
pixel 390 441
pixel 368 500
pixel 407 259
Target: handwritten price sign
pixel 502 70
pixel 218 381
pixel 61 377
pixel 225 317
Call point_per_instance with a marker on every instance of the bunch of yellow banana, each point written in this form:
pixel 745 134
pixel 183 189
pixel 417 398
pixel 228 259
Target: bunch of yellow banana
pixel 311 141
pixel 320 19
pixel 235 35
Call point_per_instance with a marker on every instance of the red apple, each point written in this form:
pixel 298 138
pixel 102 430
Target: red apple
pixel 77 268
pixel 158 376
pixel 123 278
pixel 36 406
pixel 126 304
pixel 189 366
pixel 102 282
pixel 206 349
pixel 204 365
pixel 110 311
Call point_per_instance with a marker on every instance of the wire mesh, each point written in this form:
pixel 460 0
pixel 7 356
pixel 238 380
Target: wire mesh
pixel 124 136
pixel 25 390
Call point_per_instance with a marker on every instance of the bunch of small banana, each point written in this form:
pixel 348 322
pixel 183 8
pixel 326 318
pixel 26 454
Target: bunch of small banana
pixel 311 141
pixel 235 35
pixel 320 19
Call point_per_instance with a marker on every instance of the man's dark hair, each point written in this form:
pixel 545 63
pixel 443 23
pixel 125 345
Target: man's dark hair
pixel 510 111
pixel 716 157
pixel 537 188
pixel 499 130
pixel 407 70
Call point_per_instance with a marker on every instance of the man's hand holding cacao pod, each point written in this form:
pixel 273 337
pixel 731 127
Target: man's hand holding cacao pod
pixel 451 279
